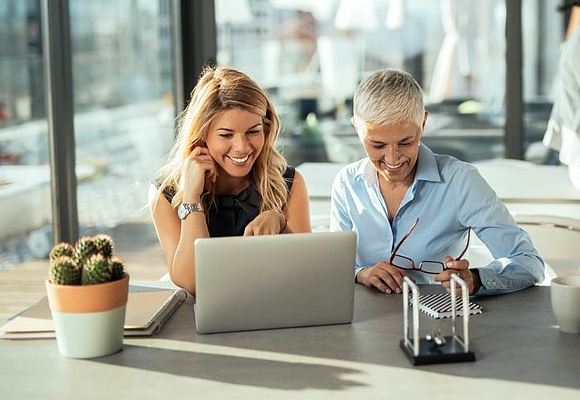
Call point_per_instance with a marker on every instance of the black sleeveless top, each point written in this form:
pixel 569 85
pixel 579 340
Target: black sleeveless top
pixel 228 215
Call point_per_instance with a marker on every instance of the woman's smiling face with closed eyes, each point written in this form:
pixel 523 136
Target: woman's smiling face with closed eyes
pixel 392 149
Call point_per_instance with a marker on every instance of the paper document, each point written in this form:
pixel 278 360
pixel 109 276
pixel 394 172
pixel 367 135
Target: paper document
pixel 145 314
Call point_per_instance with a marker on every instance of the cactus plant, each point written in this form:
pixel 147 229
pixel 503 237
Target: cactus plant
pixel 85 247
pixel 117 268
pixel 105 245
pixel 97 269
pixel 65 271
pixel 90 261
pixel 61 249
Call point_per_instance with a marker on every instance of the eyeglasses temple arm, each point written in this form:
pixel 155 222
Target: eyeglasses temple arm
pixel 402 240
pixel 466 246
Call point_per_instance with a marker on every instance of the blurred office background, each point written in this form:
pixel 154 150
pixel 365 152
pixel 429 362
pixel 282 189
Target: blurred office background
pixel 487 68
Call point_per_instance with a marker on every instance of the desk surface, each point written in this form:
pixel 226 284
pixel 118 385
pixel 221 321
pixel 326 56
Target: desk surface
pixel 519 351
pixel 522 181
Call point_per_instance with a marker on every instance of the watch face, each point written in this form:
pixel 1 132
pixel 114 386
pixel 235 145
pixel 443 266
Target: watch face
pixel 181 211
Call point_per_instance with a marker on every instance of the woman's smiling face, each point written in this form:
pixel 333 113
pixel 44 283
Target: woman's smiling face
pixel 393 149
pixel 235 140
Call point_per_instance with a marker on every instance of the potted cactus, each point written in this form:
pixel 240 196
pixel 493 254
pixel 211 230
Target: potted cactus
pixel 87 292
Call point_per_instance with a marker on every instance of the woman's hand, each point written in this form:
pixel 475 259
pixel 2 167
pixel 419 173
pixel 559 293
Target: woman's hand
pixel 197 167
pixel 461 268
pixel 267 223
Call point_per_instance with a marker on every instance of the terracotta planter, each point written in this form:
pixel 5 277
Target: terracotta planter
pixel 89 319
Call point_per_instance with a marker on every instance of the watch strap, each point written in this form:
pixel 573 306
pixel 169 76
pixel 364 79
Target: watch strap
pixel 187 208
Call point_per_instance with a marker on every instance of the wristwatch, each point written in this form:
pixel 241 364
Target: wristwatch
pixel 185 209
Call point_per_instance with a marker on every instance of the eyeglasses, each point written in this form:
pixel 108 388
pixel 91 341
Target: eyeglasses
pixel 428 267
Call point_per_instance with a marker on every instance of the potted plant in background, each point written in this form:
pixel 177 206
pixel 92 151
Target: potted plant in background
pixel 87 292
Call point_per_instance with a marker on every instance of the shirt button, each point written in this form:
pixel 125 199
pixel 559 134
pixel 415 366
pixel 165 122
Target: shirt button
pixel 493 283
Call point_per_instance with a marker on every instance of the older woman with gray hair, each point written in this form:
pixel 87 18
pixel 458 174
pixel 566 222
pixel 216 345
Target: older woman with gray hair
pixel 414 211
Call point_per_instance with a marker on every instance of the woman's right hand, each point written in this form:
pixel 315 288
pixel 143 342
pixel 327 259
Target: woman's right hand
pixel 197 167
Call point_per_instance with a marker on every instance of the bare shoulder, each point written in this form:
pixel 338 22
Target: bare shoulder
pixel 299 183
pixel 157 201
pixel 298 176
pixel 153 194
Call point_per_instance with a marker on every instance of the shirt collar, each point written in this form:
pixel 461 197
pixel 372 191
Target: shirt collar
pixel 427 168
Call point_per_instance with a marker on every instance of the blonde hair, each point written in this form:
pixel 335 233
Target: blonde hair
pixel 219 89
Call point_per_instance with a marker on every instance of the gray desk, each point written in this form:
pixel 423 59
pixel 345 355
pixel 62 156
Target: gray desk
pixel 520 354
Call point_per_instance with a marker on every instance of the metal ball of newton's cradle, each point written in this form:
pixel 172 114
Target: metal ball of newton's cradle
pixel 435 347
pixel 436 337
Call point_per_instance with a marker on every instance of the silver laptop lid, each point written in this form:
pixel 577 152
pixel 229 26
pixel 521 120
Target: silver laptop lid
pixel 274 281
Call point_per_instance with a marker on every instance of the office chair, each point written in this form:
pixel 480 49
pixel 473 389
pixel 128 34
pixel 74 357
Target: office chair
pixel 557 240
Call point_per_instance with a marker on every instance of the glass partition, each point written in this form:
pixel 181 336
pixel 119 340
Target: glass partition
pixel 25 201
pixel 311 55
pixel 123 117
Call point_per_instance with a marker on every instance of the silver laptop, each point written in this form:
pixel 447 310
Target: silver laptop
pixel 274 281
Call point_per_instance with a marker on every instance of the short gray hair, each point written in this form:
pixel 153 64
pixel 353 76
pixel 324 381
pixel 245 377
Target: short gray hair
pixel 389 97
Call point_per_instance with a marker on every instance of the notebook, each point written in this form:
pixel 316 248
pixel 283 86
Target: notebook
pixel 274 281
pixel 146 312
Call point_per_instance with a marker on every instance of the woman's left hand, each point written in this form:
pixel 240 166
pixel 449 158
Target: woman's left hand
pixel 460 268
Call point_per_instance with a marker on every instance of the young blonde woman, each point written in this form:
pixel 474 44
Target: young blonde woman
pixel 224 175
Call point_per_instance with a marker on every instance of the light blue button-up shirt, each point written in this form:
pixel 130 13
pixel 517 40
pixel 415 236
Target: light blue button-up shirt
pixel 447 196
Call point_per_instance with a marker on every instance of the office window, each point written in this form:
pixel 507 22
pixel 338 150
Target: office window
pixel 123 117
pixel 124 113
pixel 311 55
pixel 25 202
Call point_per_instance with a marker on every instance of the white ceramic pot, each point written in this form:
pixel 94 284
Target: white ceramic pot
pixel 89 319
